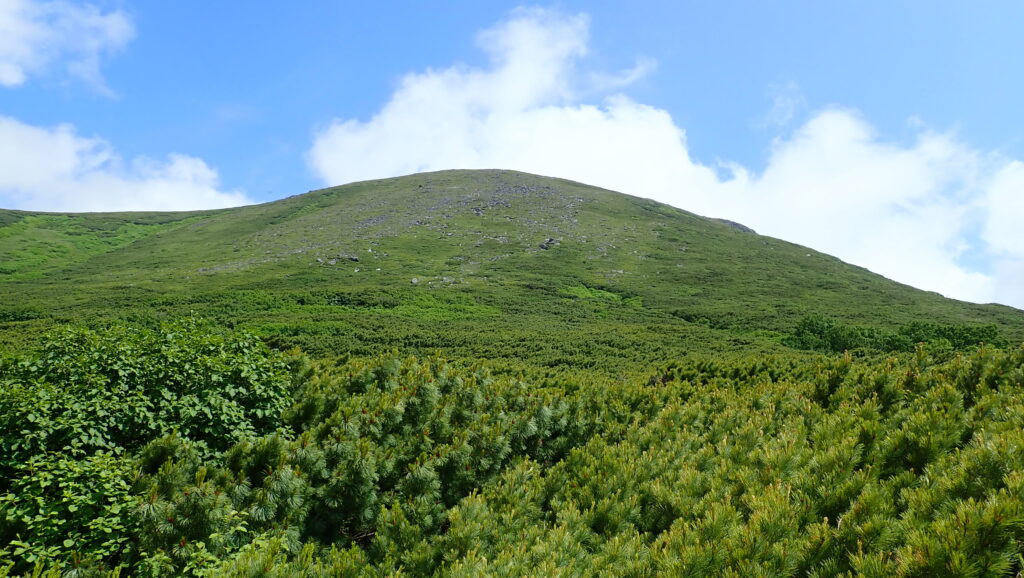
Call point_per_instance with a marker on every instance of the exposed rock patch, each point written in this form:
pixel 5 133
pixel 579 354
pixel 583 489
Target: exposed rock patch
pixel 737 226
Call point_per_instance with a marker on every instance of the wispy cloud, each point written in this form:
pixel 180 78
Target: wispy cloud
pixel 787 101
pixel 35 36
pixel 603 81
pixel 833 183
pixel 54 169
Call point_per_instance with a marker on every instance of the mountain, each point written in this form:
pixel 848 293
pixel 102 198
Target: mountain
pixel 623 389
pixel 492 264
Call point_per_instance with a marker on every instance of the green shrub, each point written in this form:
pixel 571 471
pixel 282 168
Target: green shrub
pixel 73 414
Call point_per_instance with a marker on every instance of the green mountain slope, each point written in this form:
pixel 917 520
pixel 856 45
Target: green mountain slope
pixel 624 389
pixel 477 263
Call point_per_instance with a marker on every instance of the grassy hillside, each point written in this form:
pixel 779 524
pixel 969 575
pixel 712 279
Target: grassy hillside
pixel 35 244
pixel 489 264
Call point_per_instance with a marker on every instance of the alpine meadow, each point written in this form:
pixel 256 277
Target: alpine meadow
pixel 490 373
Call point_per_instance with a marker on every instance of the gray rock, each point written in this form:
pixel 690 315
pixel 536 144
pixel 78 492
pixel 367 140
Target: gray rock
pixel 737 226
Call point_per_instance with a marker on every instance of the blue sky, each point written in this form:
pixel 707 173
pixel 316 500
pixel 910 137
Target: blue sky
pixel 887 133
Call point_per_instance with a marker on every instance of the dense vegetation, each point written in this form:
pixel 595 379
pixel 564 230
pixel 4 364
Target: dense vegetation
pixel 189 450
pixel 490 373
pixel 824 334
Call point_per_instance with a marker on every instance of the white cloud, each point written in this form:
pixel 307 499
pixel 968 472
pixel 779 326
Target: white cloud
pixel 57 170
pixel 1004 228
pixel 34 35
pixel 902 210
pixel 1003 231
pixel 835 186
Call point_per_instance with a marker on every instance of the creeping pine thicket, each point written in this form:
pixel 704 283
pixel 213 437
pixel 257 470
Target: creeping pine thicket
pixel 191 451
